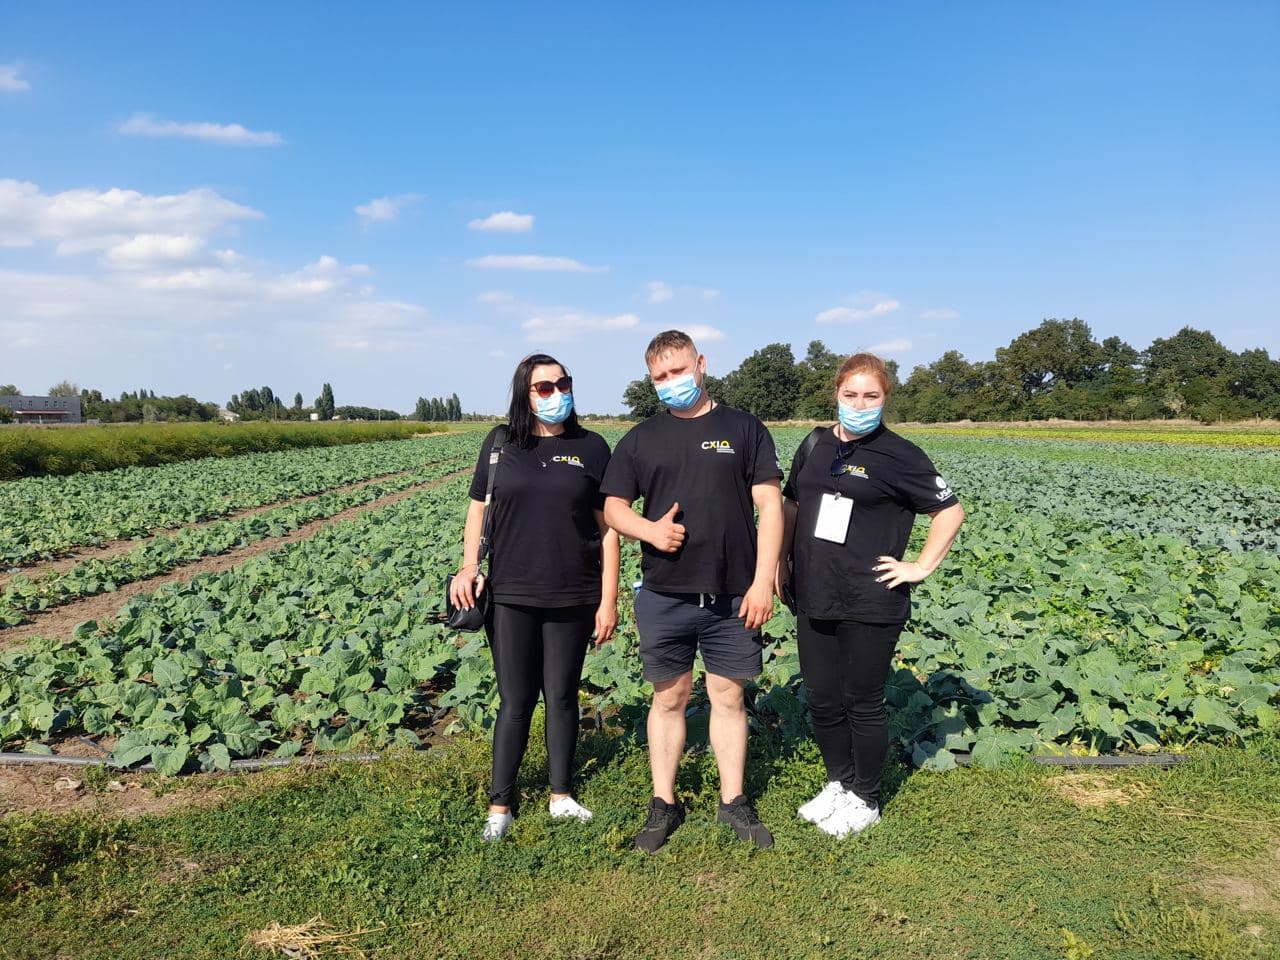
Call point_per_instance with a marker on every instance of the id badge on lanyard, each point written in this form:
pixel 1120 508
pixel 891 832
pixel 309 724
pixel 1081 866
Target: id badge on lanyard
pixel 834 514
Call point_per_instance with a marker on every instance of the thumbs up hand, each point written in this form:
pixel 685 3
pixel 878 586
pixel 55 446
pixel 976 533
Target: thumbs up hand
pixel 665 534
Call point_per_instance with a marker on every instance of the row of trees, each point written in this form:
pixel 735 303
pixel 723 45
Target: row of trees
pixel 438 408
pixel 133 406
pixel 1054 370
pixel 367 413
pixel 256 403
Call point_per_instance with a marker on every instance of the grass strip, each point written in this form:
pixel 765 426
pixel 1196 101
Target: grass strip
pixel 991 864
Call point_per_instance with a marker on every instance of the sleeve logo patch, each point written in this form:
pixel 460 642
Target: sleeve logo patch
pixel 944 489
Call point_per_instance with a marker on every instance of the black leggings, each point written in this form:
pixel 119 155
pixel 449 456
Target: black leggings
pixel 845 665
pixel 536 650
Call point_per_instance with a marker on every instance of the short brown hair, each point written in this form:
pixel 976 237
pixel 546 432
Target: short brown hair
pixel 865 363
pixel 668 340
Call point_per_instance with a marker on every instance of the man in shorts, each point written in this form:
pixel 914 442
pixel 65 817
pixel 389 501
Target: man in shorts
pixel 703 470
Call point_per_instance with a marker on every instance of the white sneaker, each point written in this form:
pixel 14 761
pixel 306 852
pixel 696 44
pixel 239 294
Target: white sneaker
pixel 851 815
pixel 568 807
pixel 823 805
pixel 496 826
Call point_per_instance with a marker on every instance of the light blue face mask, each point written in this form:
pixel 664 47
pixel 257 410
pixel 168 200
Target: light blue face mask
pixel 679 393
pixel 860 421
pixel 553 409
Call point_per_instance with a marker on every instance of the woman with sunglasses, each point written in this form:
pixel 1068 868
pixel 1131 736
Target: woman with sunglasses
pixel 852 496
pixel 553 576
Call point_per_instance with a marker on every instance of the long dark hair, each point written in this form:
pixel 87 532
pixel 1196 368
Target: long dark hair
pixel 520 415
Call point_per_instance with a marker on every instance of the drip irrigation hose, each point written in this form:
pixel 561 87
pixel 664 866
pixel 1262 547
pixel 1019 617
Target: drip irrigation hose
pixel 237 766
pixel 1128 760
pixel 273 763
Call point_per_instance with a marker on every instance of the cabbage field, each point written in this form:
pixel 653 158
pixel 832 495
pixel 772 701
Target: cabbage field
pixel 1101 598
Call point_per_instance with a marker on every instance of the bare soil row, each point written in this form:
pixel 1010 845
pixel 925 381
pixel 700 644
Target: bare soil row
pixel 60 622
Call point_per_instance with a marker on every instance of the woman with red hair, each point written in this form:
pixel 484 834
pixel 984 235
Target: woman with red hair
pixel 852 496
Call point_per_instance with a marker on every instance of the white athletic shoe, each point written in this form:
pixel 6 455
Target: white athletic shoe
pixel 568 807
pixel 496 826
pixel 851 815
pixel 823 805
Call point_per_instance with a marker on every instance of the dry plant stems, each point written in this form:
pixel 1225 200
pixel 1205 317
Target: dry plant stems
pixel 301 941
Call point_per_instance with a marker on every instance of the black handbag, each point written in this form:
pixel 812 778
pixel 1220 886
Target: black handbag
pixel 473 619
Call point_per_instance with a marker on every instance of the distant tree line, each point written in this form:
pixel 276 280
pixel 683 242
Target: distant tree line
pixel 1056 370
pixel 367 413
pixel 262 403
pixel 136 406
pixel 256 403
pixel 438 408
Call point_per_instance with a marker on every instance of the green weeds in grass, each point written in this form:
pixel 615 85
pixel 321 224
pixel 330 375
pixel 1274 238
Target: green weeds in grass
pixel 969 864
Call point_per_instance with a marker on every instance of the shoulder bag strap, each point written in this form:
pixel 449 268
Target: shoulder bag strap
pixel 486 525
pixel 806 448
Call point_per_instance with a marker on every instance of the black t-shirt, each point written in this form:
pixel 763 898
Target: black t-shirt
pixel 546 544
pixel 708 465
pixel 890 481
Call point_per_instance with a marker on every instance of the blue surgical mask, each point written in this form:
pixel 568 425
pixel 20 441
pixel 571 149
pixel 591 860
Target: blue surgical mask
pixel 679 393
pixel 553 409
pixel 859 422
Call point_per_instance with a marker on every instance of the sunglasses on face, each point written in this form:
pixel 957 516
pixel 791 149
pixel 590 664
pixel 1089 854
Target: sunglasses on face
pixel 545 388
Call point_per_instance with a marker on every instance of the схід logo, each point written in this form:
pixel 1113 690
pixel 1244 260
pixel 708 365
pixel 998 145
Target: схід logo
pixel 719 446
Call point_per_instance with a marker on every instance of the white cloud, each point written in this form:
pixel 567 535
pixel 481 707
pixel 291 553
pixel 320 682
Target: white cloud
pixel 866 306
pixel 659 292
pixel 898 345
pixel 86 219
pixel 307 309
pixel 10 82
pixel 143 125
pixel 384 209
pixel 504 222
pixel 495 296
pixel 702 333
pixel 941 314
pixel 145 249
pixel 560 325
pixel 533 262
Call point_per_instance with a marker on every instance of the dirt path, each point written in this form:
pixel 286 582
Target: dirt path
pixel 60 622
pixel 115 548
pixel 65 790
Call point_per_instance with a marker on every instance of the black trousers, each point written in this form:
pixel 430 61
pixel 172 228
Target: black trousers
pixel 845 665
pixel 536 650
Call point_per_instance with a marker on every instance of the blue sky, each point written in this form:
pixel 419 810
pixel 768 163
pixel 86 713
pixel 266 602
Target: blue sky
pixel 206 199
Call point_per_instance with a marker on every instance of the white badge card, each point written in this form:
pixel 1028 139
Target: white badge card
pixel 834 514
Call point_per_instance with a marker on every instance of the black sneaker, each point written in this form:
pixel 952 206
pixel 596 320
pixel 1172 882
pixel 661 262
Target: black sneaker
pixel 739 814
pixel 662 823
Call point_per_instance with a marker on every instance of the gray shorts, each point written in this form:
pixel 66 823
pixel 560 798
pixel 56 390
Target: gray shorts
pixel 674 626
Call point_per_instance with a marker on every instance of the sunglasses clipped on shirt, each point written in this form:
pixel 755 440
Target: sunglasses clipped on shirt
pixel 545 388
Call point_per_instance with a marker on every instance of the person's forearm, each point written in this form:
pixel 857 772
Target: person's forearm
pixel 769 534
pixel 619 515
pixel 789 512
pixel 943 527
pixel 471 534
pixel 610 555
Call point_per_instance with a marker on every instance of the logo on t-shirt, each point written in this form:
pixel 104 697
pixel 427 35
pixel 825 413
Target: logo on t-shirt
pixel 849 470
pixel 944 489
pixel 570 460
pixel 717 446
